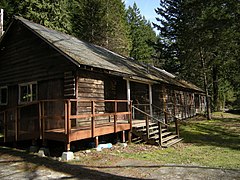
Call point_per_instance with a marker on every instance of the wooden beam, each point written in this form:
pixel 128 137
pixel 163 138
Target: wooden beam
pixel 93 118
pixel 128 91
pixel 16 123
pixel 68 120
pixel 164 94
pixel 123 137
pixel 96 141
pixel 160 133
pixel 150 99
pixel 40 119
pixel 115 117
pixel 43 121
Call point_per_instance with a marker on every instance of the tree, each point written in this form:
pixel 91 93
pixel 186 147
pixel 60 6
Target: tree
pixel 142 35
pixel 102 22
pixel 118 36
pixel 51 13
pixel 198 35
pixel 169 15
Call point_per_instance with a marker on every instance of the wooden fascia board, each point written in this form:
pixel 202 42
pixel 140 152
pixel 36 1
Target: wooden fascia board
pixel 140 80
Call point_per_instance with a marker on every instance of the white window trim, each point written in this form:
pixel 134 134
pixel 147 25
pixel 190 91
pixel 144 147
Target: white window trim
pixel 26 84
pixel 3 87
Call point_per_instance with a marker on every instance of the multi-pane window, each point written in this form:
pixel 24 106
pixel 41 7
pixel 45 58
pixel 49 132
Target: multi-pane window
pixel 27 92
pixel 3 95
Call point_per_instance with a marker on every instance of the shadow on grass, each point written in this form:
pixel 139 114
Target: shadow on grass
pixel 217 132
pixel 71 170
pixel 83 172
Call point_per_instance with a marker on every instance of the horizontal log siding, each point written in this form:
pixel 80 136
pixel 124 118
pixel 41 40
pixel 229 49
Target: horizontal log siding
pixel 92 89
pixel 24 57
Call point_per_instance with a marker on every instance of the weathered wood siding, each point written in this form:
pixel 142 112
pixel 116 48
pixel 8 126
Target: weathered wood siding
pixel 24 57
pixel 98 86
pixel 90 87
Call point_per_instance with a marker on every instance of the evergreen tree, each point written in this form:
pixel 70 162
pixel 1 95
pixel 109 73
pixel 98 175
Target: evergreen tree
pixel 102 22
pixel 142 35
pixel 202 35
pixel 118 38
pixel 51 13
pixel 89 21
pixel 169 26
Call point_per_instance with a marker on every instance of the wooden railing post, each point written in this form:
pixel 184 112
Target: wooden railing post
pixel 68 125
pixel 40 119
pixel 147 126
pixel 166 117
pixel 176 126
pixel 115 116
pixel 131 109
pixel 68 118
pixel 65 116
pixel 43 121
pixel 93 118
pixel 160 133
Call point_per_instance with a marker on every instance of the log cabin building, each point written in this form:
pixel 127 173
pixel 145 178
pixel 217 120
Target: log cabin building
pixel 56 87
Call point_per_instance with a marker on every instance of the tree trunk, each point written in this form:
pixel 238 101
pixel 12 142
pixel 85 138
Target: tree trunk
pixel 205 84
pixel 215 88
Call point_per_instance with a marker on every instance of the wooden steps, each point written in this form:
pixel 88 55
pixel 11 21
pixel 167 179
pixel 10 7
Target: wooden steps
pixel 140 134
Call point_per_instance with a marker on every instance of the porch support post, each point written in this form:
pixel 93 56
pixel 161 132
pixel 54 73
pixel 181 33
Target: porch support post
pixel 194 105
pixel 96 141
pixel 128 91
pixel 164 94
pixel 150 99
pixel 123 137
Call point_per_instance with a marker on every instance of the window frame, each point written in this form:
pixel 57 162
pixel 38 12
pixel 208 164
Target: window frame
pixel 3 87
pixel 28 84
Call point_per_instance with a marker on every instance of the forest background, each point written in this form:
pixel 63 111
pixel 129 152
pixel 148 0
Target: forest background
pixel 197 40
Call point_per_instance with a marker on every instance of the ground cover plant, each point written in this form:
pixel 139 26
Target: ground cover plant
pixel 213 143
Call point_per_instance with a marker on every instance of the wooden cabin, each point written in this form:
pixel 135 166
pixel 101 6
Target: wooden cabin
pixel 55 87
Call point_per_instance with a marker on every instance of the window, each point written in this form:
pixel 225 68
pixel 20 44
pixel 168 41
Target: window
pixel 3 95
pixel 27 92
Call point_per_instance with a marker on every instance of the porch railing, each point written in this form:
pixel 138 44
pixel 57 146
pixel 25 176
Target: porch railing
pixel 159 120
pixel 60 115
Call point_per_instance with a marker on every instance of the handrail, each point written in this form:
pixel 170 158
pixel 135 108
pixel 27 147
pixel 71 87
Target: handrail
pixel 149 116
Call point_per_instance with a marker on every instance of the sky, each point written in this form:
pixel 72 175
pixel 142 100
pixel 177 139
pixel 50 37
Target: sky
pixel 146 8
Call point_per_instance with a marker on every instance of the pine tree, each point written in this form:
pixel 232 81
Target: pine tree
pixel 102 22
pixel 200 35
pixel 51 13
pixel 118 38
pixel 142 35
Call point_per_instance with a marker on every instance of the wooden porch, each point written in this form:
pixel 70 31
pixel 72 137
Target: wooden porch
pixel 61 120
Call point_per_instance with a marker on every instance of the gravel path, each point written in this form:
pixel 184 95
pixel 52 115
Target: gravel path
pixel 15 164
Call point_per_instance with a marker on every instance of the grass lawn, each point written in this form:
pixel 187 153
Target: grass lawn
pixel 213 143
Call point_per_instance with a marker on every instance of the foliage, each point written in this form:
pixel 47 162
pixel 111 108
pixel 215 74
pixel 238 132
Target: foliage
pixel 50 13
pixel 118 36
pixel 201 35
pixel 102 22
pixel 142 35
pixel 212 143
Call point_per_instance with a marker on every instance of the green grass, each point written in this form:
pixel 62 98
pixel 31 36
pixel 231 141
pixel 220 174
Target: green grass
pixel 213 143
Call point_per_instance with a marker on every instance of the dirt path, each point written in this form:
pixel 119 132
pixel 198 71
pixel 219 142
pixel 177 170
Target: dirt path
pixel 15 164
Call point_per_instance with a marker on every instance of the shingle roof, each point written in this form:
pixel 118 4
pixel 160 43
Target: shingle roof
pixel 82 53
